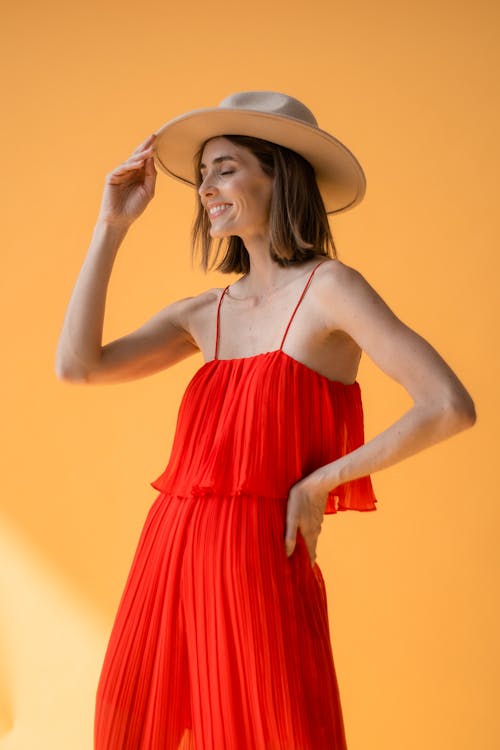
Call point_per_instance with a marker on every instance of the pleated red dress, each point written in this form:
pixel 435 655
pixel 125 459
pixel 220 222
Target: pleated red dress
pixel 221 641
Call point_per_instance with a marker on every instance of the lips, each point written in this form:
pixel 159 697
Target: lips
pixel 217 209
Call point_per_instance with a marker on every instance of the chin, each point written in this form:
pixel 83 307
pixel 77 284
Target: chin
pixel 219 234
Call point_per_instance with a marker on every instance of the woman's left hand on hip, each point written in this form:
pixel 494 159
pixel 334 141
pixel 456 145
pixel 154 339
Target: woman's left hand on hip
pixel 305 511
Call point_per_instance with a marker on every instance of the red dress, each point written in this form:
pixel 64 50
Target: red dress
pixel 221 641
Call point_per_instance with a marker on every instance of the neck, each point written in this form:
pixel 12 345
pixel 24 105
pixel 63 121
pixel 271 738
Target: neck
pixel 265 275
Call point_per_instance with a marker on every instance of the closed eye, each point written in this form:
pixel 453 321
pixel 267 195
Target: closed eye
pixel 201 177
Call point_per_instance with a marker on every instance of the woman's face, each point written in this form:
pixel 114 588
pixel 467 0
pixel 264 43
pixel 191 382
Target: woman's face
pixel 235 191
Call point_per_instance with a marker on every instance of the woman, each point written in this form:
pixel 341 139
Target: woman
pixel 221 639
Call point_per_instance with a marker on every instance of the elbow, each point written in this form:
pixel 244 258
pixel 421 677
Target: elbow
pixel 460 413
pixel 470 415
pixel 68 375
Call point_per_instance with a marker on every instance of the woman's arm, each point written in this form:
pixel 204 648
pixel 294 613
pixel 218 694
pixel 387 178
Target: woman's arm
pixel 441 404
pixel 162 340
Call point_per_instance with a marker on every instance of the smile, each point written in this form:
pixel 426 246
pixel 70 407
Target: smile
pixel 217 210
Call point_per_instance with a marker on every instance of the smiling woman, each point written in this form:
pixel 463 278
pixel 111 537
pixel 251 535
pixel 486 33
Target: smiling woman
pixel 221 639
pixel 298 229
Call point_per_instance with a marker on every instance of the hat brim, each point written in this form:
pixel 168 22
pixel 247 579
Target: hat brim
pixel 339 175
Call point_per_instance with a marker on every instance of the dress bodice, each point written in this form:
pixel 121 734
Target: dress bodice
pixel 258 424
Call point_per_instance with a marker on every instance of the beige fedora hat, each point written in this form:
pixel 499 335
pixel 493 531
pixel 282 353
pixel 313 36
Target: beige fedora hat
pixel 273 117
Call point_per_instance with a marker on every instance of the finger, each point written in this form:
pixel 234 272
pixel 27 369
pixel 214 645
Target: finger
pixel 129 165
pixel 124 174
pixel 143 154
pixel 150 165
pixel 136 158
pixel 292 525
pixel 311 548
pixel 148 142
pixel 150 175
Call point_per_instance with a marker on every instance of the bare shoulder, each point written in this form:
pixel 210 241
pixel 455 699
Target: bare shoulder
pixel 199 303
pixel 334 275
pixel 179 320
pixel 189 313
pixel 343 294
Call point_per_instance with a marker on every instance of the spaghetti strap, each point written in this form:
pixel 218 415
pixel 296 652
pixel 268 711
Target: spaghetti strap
pixel 217 326
pixel 298 303
pixel 217 323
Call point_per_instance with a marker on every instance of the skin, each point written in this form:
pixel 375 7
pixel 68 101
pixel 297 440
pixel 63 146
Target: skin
pixel 339 317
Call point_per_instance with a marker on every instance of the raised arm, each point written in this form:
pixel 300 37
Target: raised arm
pixel 161 341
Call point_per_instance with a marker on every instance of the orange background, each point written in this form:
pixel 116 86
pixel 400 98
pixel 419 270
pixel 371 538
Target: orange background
pixel 410 88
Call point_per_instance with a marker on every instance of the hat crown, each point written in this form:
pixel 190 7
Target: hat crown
pixel 270 102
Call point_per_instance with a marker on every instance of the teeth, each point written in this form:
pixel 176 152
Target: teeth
pixel 217 209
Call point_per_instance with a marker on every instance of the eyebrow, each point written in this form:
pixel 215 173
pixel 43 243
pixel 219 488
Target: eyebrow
pixel 218 159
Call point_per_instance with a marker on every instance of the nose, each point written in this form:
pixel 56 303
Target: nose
pixel 206 188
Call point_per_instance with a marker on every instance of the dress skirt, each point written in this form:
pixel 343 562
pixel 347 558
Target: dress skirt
pixel 220 641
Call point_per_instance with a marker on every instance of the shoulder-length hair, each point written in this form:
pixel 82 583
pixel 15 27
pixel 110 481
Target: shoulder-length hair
pixel 298 221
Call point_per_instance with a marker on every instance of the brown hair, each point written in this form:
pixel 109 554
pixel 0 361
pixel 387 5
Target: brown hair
pixel 298 221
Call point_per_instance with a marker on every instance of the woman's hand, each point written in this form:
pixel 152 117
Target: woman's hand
pixel 305 511
pixel 130 187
